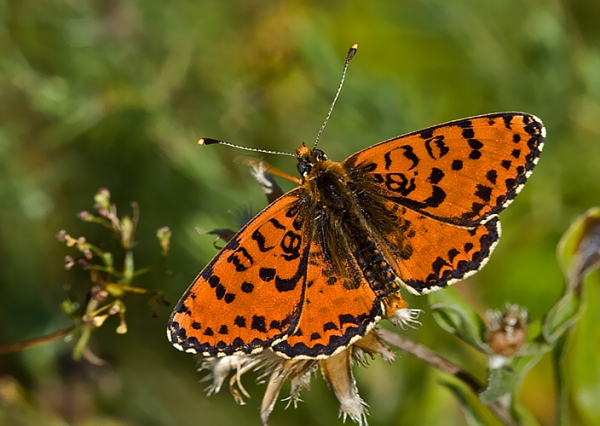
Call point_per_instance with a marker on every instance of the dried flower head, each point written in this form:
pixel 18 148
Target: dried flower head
pixel 275 370
pixel 506 330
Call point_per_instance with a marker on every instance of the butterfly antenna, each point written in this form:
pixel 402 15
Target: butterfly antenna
pixel 209 141
pixel 349 57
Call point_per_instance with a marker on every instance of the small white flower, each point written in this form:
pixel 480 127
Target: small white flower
pixel 406 317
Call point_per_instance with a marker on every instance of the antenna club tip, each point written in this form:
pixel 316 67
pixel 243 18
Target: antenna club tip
pixel 201 141
pixel 207 141
pixel 352 52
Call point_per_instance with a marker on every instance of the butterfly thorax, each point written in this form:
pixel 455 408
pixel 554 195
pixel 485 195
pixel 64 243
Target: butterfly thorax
pixel 352 243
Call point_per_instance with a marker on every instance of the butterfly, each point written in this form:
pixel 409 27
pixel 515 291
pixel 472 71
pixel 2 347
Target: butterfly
pixel 320 266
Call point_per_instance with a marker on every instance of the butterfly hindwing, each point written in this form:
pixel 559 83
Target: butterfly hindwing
pixel 250 295
pixel 434 254
pixel 338 309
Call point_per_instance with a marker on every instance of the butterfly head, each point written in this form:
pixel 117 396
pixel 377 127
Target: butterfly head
pixel 308 159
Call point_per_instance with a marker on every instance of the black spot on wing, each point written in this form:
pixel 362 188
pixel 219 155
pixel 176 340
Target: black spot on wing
pixel 475 154
pixel 276 325
pixel 388 160
pixel 437 197
pixel 261 241
pixel 468 133
pixel 426 133
pixel 464 123
pixel 258 323
pixel 329 326
pixel 452 254
pixel 510 184
pixel 240 321
pixel 457 165
pixel 435 176
pixel 266 274
pixel 491 176
pixel 220 291
pixel 475 144
pixel 182 309
pixel 410 155
pixel 484 192
pixel 247 287
pixel 214 281
pixel 436 147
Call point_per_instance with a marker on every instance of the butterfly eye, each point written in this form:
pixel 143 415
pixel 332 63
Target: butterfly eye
pixel 304 168
pixel 319 155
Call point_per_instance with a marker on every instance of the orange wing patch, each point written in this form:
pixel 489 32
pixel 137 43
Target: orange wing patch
pixel 429 254
pixel 250 295
pixel 337 310
pixel 460 172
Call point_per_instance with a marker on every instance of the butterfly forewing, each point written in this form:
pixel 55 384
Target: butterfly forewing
pixel 250 295
pixel 460 172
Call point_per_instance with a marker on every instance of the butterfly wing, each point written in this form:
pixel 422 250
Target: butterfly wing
pixel 460 172
pixel 250 296
pixel 444 186
pixel 338 308
pixel 434 254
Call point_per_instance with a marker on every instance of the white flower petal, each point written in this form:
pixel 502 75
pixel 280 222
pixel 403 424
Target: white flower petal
pixel 337 372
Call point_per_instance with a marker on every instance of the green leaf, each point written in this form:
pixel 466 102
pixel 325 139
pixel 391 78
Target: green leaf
pixel 522 416
pixel 580 363
pixel 562 316
pixel 578 251
pixel 504 379
pixel 562 389
pixel 456 316
pixel 475 412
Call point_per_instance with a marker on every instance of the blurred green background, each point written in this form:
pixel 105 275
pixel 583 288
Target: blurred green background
pixel 115 94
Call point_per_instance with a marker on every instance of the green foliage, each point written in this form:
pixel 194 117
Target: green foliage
pixel 578 253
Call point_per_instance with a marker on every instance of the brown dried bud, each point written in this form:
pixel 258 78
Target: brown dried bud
pixel 506 330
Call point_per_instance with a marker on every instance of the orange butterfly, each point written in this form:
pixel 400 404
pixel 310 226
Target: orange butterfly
pixel 320 266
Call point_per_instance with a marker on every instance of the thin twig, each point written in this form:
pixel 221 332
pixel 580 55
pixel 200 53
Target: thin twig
pixel 443 364
pixel 15 347
pixel 430 357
